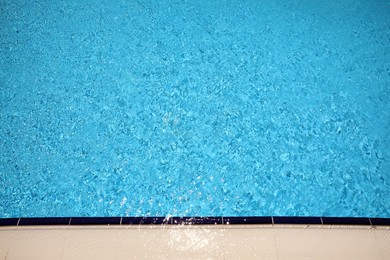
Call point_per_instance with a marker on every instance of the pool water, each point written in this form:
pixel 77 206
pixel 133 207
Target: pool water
pixel 206 108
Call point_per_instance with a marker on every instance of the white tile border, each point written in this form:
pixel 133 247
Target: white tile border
pixel 202 241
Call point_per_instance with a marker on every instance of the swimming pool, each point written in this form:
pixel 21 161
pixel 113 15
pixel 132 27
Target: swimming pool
pixel 194 108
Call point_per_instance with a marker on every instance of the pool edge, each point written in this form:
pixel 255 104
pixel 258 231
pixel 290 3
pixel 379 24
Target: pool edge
pixel 173 220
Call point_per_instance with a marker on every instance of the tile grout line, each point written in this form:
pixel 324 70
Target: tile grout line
pixel 369 219
pixel 322 222
pixel 70 220
pixel 120 222
pixel 17 224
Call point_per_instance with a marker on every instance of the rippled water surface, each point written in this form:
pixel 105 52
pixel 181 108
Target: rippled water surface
pixel 118 108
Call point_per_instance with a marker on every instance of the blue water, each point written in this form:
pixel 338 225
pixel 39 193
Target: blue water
pixel 132 108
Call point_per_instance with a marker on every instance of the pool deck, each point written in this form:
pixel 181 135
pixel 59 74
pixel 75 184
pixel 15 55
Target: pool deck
pixel 195 242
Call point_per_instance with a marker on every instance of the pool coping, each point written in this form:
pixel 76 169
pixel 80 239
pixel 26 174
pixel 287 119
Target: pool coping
pixel 172 220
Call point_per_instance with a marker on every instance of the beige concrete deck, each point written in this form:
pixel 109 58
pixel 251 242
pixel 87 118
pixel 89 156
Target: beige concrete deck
pixel 194 242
